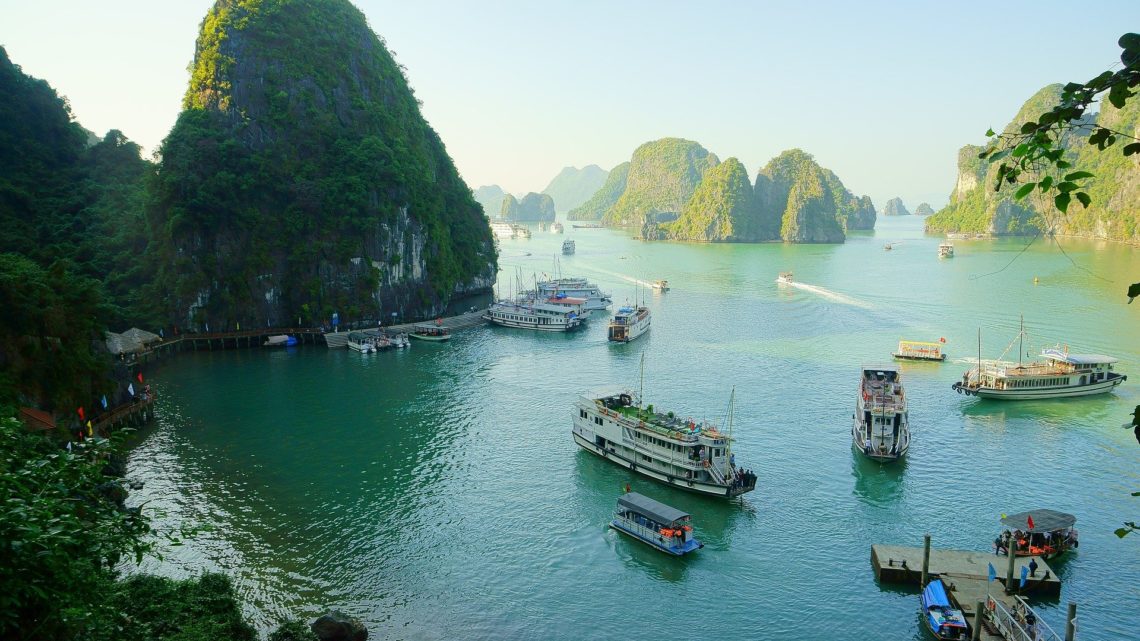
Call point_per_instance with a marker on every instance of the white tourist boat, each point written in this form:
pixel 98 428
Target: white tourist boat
pixel 577 288
pixel 1058 374
pixel 363 343
pixel 436 333
pixel 567 247
pixel 880 428
pixel 661 285
pixel 521 231
pixel 556 228
pixel 785 278
pixel 503 230
pixel 946 250
pixel 681 452
pixel 538 316
pixel 628 323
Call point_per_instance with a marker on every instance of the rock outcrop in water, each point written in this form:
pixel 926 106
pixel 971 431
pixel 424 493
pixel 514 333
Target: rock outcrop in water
pixel 663 174
pixel 301 178
pixel 895 207
pixel 573 186
pixel 923 209
pixel 801 202
pixel 534 208
pixel 722 209
pixel 1114 213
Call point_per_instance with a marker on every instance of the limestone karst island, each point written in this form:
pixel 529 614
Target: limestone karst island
pixel 332 320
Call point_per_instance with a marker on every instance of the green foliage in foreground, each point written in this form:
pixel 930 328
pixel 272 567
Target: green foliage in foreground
pixel 142 608
pixel 63 528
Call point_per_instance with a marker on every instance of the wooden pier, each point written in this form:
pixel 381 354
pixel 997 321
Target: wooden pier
pixel 966 574
pixel 140 412
pixel 462 321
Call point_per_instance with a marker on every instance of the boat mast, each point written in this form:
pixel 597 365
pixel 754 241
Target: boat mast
pixel 731 411
pixel 641 391
pixel 1021 343
pixel 979 357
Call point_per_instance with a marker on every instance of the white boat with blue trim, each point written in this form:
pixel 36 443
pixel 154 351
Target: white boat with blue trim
pixel 654 523
pixel 628 323
pixel 881 426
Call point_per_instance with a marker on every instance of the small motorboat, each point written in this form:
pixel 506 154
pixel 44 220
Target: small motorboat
pixel 280 340
pixel 946 250
pixel 920 351
pixel 428 332
pixel 785 278
pixel 1044 533
pixel 941 613
pixel 661 285
pixel 654 523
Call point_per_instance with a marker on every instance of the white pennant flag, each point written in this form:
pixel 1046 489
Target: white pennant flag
pixel 131 389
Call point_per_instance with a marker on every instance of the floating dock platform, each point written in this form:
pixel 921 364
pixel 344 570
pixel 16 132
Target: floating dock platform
pixel 898 564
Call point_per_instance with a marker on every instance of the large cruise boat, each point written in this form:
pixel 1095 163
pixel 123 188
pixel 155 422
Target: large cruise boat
pixel 1058 374
pixel 503 230
pixel 628 323
pixel 577 288
pixel 880 429
pixel 681 452
pixel 538 316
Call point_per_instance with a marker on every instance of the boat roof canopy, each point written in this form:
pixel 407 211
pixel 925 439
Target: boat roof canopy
pixel 935 595
pixel 650 508
pixel 1043 520
pixel 922 343
pixel 1077 359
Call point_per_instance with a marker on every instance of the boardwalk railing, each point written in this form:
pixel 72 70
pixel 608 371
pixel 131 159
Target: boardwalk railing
pixel 1022 624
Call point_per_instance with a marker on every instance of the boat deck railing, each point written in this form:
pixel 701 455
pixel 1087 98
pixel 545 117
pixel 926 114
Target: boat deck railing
pixel 1016 625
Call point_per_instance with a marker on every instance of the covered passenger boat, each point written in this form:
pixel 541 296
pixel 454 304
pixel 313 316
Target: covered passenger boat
pixel 920 351
pixel 665 528
pixel 941 614
pixel 1044 533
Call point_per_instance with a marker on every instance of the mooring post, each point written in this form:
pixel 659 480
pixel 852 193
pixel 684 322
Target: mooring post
pixel 979 614
pixel 925 559
pixel 1012 552
pixel 1071 623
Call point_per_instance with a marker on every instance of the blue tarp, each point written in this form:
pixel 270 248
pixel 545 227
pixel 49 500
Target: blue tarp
pixel 935 595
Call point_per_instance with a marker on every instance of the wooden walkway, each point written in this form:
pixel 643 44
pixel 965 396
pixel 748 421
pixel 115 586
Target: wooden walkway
pixel 462 321
pixel 137 413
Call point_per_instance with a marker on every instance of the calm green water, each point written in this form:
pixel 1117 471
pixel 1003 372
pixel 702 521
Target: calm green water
pixel 436 493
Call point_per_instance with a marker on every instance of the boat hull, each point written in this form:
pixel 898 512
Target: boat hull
pixel 679 550
pixel 433 339
pixel 906 357
pixel 698 487
pixel 1088 389
pixel 524 325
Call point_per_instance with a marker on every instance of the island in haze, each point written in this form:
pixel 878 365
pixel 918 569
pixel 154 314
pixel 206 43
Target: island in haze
pixel 533 208
pixel 895 207
pixel 674 189
pixel 573 186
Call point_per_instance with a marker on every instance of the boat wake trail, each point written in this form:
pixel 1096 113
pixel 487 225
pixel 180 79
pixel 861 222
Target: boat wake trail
pixel 832 296
pixel 629 279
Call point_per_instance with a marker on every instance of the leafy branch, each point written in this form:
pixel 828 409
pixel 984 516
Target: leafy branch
pixel 1039 147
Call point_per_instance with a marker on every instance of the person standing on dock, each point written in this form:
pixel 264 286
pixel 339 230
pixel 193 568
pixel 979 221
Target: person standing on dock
pixel 1032 567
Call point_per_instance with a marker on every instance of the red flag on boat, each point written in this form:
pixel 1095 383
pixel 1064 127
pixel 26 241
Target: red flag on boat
pixel 942 340
pixel 140 377
pixel 79 411
pixel 1030 521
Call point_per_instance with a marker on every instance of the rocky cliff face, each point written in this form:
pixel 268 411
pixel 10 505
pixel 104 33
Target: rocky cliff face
pixel 801 202
pixel 663 174
pixel 573 186
pixel 923 209
pixel 895 207
pixel 1114 213
pixel 722 209
pixel 605 198
pixel 301 178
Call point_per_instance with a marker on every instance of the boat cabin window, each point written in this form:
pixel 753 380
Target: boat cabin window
pixel 582 413
pixel 598 420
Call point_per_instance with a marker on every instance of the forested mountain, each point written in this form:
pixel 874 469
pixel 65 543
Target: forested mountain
pixel 533 208
pixel 722 209
pixel 605 198
pixel 491 198
pixel 801 202
pixel 663 174
pixel 301 178
pixel 895 207
pixel 1114 213
pixel 573 186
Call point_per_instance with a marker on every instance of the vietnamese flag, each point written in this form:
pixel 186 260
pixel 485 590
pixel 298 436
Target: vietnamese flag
pixel 79 411
pixel 1030 521
pixel 140 377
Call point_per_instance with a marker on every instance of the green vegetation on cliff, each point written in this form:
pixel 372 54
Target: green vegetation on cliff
pixel 605 198
pixel 573 186
pixel 722 209
pixel 801 202
pixel 663 175
pixel 301 177
pixel 1114 189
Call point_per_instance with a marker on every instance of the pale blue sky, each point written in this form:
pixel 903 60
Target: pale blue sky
pixel 883 93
